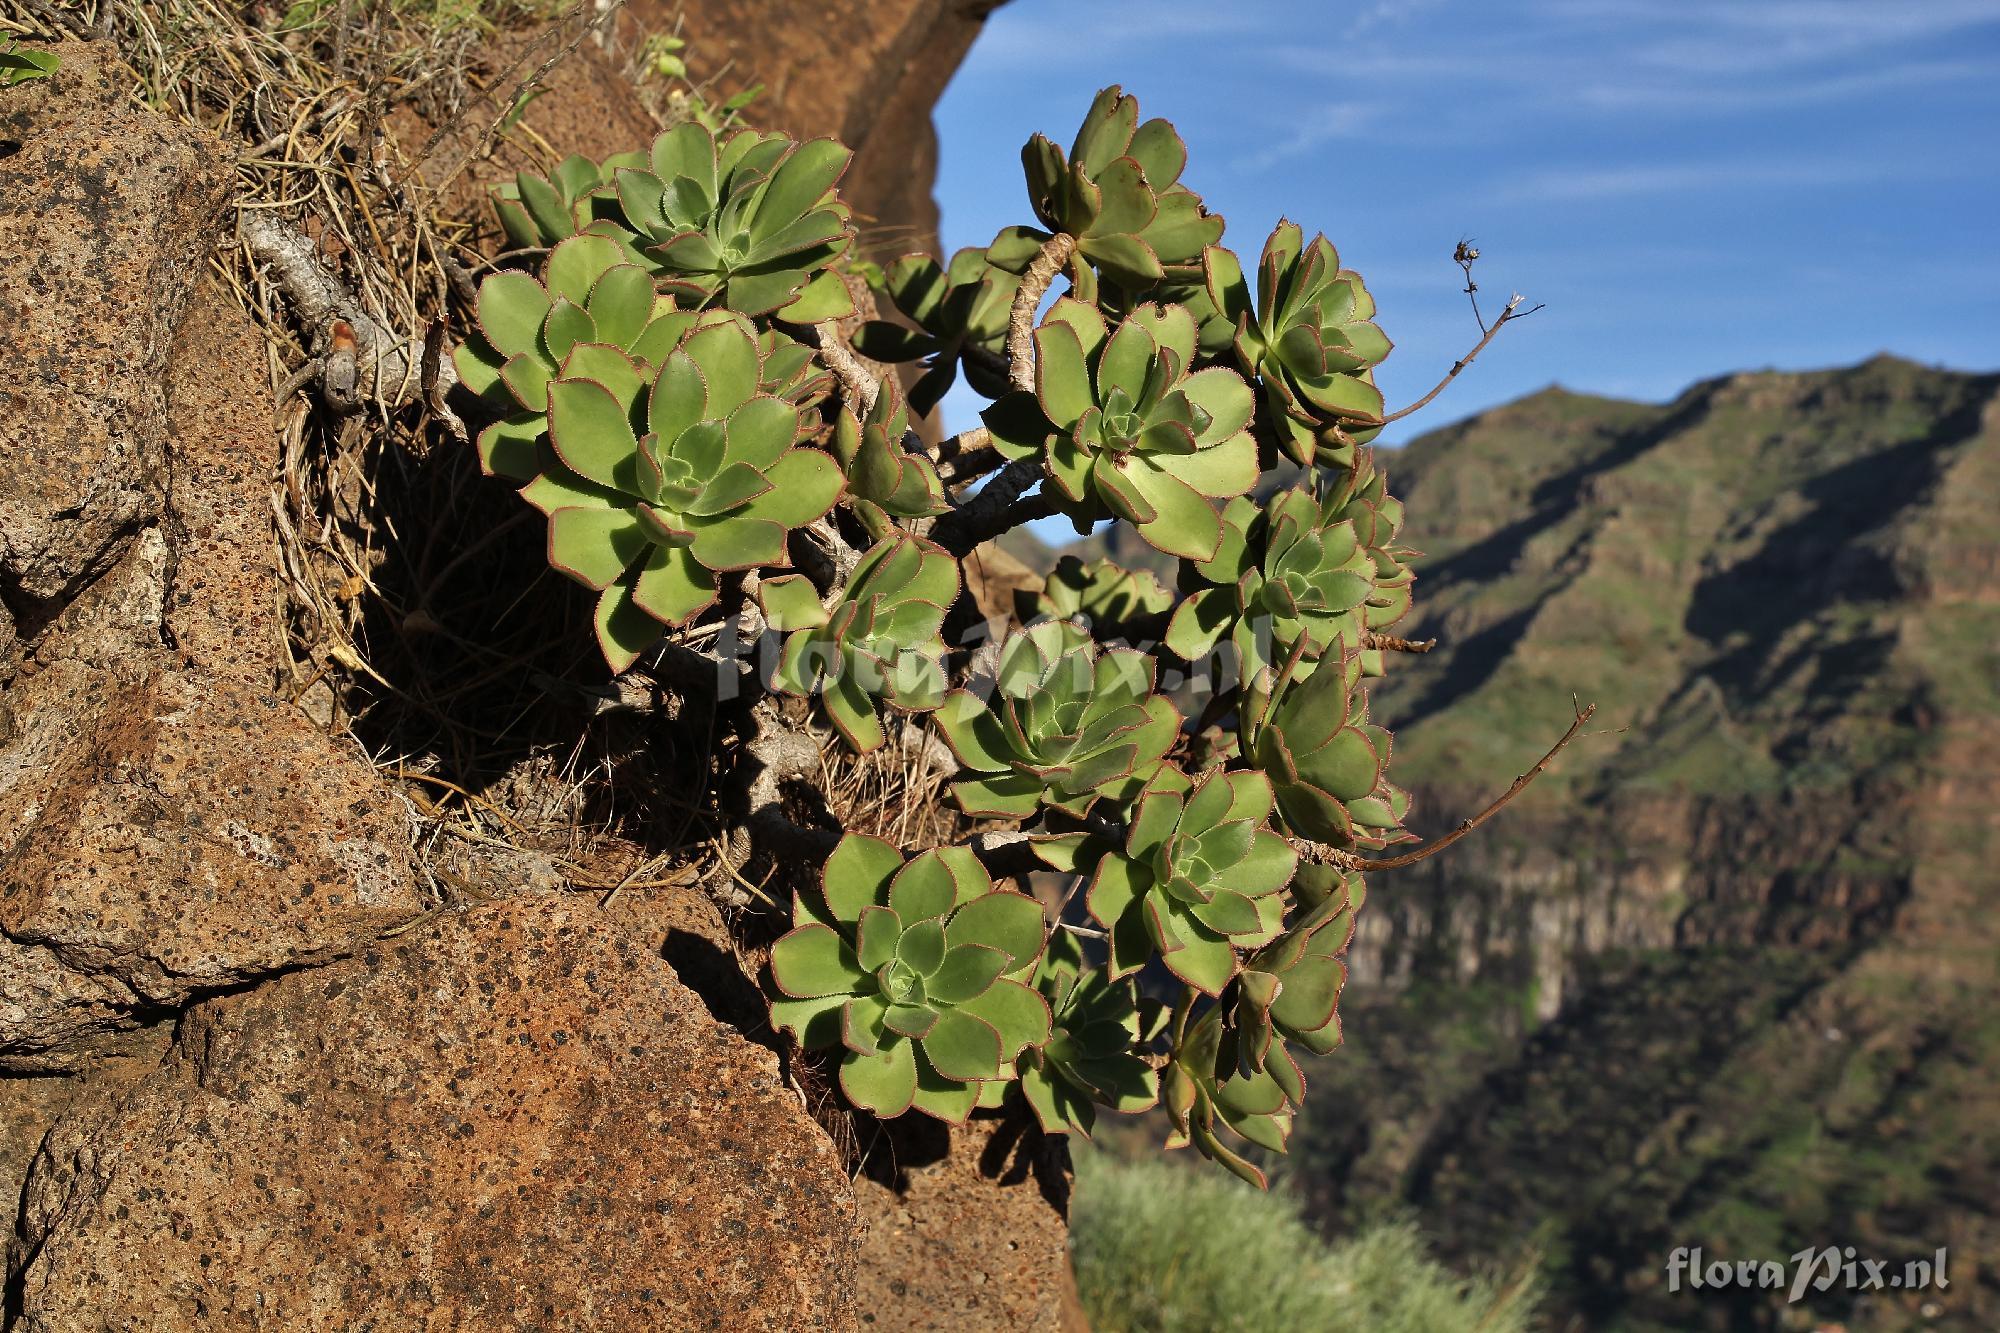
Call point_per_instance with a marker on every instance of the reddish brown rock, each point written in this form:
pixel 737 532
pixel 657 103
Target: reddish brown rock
pixel 866 73
pixel 996 578
pixel 106 216
pixel 586 104
pixel 197 837
pixel 515 1115
pixel 169 824
pixel 30 1103
pixel 512 1117
pixel 967 1230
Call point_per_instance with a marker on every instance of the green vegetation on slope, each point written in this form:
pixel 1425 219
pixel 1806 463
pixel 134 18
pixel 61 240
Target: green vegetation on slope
pixel 1767 900
pixel 1734 576
pixel 1159 1248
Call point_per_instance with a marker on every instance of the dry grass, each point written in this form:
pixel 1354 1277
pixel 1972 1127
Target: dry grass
pixel 892 794
pixel 422 617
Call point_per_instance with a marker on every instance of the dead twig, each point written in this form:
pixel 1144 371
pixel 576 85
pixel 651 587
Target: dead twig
pixel 1465 255
pixel 1507 316
pixel 361 362
pixel 1334 856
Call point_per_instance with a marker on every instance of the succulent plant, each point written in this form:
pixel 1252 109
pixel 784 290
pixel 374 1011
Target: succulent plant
pixel 1327 763
pixel 1118 193
pixel 1105 596
pixel 1311 341
pixel 1202 1098
pixel 885 481
pixel 751 222
pixel 1286 575
pixel 1099 1029
pixel 1067 724
pixel 590 305
pixel 1197 881
pixel 913 967
pixel 791 371
pixel 960 312
pixel 1318 563
pixel 1290 991
pixel 1361 497
pixel 714 483
pixel 651 389
pixel 882 639
pixel 538 212
pixel 1125 429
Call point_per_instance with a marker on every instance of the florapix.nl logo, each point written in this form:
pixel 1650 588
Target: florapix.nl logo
pixel 1810 1270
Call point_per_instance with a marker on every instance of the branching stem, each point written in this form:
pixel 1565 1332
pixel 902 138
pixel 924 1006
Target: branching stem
pixel 1349 861
pixel 1507 316
pixel 856 384
pixel 969 464
pixel 1389 643
pixel 994 510
pixel 1042 270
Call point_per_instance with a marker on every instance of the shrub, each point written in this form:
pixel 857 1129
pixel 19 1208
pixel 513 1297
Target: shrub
pixel 1159 1249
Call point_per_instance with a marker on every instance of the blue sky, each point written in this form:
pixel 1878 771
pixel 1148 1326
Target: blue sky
pixel 1692 187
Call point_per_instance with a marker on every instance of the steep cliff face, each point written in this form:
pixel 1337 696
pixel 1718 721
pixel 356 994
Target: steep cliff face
pixel 1727 975
pixel 239 1036
pixel 234 1034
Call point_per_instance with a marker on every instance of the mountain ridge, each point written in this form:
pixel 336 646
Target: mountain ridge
pixel 1728 973
pixel 1725 974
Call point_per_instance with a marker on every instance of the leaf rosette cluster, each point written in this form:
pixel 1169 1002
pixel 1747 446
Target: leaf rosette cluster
pixel 660 371
pixel 914 969
pixel 751 221
pixel 1127 429
pixel 1328 764
pixel 882 640
pixel 1066 725
pixel 1118 192
pixel 1196 882
pixel 652 489
pixel 1310 339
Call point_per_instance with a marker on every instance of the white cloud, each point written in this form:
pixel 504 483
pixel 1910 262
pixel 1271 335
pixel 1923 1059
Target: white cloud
pixel 1564 184
pixel 1336 120
pixel 1725 37
pixel 1698 97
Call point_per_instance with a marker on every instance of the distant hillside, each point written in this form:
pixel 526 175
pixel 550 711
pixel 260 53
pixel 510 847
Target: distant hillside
pixel 1755 578
pixel 1728 976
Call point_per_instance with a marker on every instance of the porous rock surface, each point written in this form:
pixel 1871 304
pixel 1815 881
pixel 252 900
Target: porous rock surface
pixel 511 1117
pixel 251 1077
pixel 965 1230
pixel 168 823
pixel 91 284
